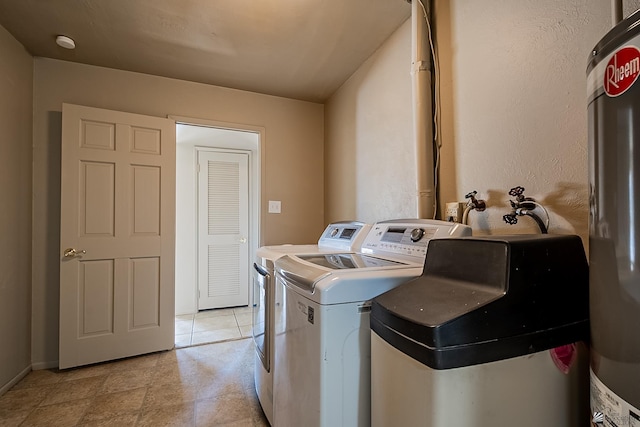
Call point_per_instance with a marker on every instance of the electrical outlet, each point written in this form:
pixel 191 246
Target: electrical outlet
pixel 453 211
pixel 274 206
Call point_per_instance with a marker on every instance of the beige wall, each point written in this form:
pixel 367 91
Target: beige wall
pixel 16 71
pixel 514 106
pixel 369 151
pixel 513 102
pixel 629 6
pixel 292 170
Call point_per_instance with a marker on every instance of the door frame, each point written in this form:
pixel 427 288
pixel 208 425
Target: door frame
pixel 187 143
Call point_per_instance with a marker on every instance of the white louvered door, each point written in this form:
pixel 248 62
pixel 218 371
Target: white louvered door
pixel 223 228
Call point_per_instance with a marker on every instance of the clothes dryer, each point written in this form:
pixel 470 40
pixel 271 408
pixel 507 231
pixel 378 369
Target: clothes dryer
pixel 337 237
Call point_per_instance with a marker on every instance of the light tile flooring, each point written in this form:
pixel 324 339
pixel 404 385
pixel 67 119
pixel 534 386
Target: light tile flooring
pixel 212 326
pixel 206 385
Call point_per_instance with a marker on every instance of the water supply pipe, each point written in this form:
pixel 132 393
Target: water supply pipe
pixel 523 206
pixel 422 111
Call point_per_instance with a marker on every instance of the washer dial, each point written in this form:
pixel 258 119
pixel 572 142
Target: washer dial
pixel 416 234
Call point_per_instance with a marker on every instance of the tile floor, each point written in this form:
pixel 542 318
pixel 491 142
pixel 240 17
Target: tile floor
pixel 212 326
pixel 206 385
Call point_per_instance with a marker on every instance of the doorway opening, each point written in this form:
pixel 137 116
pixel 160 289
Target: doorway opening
pixel 210 249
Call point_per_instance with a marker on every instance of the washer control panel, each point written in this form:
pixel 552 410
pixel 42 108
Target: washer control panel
pixel 408 238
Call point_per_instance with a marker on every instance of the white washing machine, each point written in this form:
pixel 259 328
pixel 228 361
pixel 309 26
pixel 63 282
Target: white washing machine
pixel 337 237
pixel 322 339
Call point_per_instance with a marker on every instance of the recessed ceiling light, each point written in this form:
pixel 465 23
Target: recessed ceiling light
pixel 65 42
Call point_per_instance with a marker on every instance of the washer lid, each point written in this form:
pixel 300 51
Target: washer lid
pixel 345 278
pixel 348 260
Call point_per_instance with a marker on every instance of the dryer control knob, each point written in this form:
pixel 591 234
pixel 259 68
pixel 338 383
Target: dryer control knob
pixel 416 234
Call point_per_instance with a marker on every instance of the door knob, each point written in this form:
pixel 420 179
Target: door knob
pixel 243 240
pixel 71 252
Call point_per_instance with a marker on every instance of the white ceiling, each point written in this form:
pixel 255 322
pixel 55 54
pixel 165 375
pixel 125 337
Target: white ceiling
pixel 301 49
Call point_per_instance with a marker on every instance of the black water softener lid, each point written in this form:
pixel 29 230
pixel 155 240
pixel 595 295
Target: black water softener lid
pixel 483 299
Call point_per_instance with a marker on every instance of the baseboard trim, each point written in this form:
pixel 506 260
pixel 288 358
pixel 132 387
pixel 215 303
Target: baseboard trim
pixel 15 380
pixel 44 365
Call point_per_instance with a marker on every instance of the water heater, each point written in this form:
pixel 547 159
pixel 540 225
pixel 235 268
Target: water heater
pixel 614 227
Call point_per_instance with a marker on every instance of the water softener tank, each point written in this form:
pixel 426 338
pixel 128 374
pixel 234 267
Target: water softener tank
pixel 614 228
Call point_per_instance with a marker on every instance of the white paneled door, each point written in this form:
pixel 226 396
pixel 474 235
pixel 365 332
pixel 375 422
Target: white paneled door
pixel 223 227
pixel 117 232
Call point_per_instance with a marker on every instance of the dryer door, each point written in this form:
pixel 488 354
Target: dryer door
pixel 261 327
